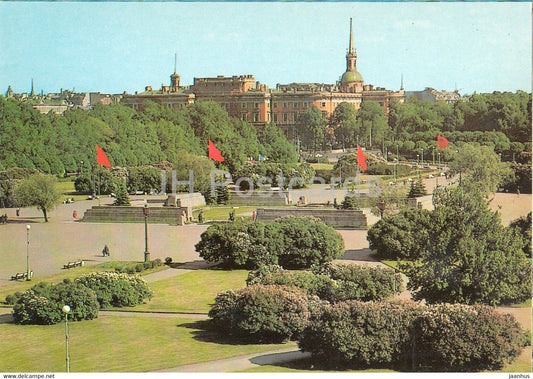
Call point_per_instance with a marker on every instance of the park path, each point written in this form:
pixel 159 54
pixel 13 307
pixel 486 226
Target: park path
pixel 243 362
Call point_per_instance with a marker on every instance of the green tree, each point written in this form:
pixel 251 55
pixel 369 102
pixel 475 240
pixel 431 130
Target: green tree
pixel 40 191
pixel 122 197
pixel 523 228
pixel 480 168
pixel 343 120
pixel 312 127
pixel 374 126
pixel 472 258
pixel 275 146
pixel 417 189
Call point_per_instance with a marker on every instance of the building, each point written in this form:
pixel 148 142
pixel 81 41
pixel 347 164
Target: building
pixel 249 100
pixel 434 95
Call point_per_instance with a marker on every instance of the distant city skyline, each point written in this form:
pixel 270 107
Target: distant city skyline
pixel 116 47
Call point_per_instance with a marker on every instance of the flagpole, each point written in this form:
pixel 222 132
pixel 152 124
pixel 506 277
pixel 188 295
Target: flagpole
pixel 98 187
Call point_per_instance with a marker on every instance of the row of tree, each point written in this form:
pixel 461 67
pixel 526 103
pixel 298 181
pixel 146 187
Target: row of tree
pixel 58 144
pixel 507 116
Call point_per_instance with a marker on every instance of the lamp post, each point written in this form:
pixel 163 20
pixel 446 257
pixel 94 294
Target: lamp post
pixel 66 311
pixel 28 227
pixel 381 206
pixel 422 157
pixel 146 212
pixel 418 164
pixel 81 168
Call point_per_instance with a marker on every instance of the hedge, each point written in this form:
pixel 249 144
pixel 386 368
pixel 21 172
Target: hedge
pixel 439 337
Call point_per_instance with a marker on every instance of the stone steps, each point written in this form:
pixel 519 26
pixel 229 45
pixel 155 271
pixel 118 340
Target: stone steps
pixel 167 215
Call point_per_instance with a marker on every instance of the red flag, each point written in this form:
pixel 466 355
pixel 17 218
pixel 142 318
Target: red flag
pixel 441 142
pixel 214 153
pixel 101 158
pixel 361 159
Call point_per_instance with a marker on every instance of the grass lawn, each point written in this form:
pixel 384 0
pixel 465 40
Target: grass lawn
pixel 191 292
pixel 116 344
pixel 322 166
pixel 21 286
pixel 305 365
pixel 68 190
pixel 222 213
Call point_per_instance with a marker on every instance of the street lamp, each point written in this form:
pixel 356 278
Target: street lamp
pixel 81 168
pixel 28 227
pixel 381 207
pixel 66 311
pixel 146 212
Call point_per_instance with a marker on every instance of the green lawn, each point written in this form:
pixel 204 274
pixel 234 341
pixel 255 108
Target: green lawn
pixel 221 213
pixel 68 190
pixel 305 365
pixel 322 166
pixel 116 344
pixel 191 292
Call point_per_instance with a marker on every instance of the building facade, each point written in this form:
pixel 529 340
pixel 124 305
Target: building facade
pixel 435 96
pixel 244 97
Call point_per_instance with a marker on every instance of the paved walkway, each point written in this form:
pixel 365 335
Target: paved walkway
pixel 243 362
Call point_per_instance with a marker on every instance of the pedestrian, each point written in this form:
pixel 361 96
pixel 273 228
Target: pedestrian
pixel 201 217
pixel 253 216
pixel 74 214
pixel 105 251
pixel 18 212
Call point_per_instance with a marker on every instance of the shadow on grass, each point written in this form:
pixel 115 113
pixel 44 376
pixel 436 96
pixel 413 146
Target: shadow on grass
pixel 204 331
pixel 364 255
pixel 192 265
pixel 6 319
pixel 307 363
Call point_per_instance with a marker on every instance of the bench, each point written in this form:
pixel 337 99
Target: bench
pixel 21 275
pixel 73 264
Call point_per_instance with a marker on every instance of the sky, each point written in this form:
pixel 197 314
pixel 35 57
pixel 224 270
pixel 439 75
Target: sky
pixel 112 47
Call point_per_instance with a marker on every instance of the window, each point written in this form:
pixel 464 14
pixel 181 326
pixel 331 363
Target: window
pixel 243 116
pixel 244 105
pixel 285 105
pixel 304 104
pixel 295 105
pixel 256 105
pixel 275 117
pixel 268 117
pixel 323 104
pixel 285 117
pixel 256 117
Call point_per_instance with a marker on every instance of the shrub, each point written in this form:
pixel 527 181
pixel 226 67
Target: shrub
pixel 139 267
pixel 168 261
pixel 438 337
pixel 334 282
pixel 402 235
pixel 266 314
pixel 354 333
pixel 300 242
pixel 12 299
pixel 43 304
pixel 465 338
pixel 117 290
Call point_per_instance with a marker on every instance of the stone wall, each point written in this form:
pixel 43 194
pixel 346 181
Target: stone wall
pixel 337 218
pixel 259 198
pixel 166 215
pixel 185 200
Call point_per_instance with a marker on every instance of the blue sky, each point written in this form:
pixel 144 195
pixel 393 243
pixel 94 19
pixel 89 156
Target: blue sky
pixel 116 47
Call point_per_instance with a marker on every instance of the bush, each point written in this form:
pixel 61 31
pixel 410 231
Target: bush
pixel 43 304
pixel 117 290
pixel 466 338
pixel 300 242
pixel 402 235
pixel 440 337
pixel 168 261
pixel 291 242
pixel 265 314
pixel 352 334
pixel 334 282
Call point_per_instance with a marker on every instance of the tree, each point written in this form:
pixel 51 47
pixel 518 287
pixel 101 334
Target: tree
pixel 480 168
pixel 401 236
pixel 40 191
pixel 312 127
pixel 374 125
pixel 343 120
pixel 275 146
pixel 417 189
pixel 523 227
pixel 122 194
pixel 472 258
